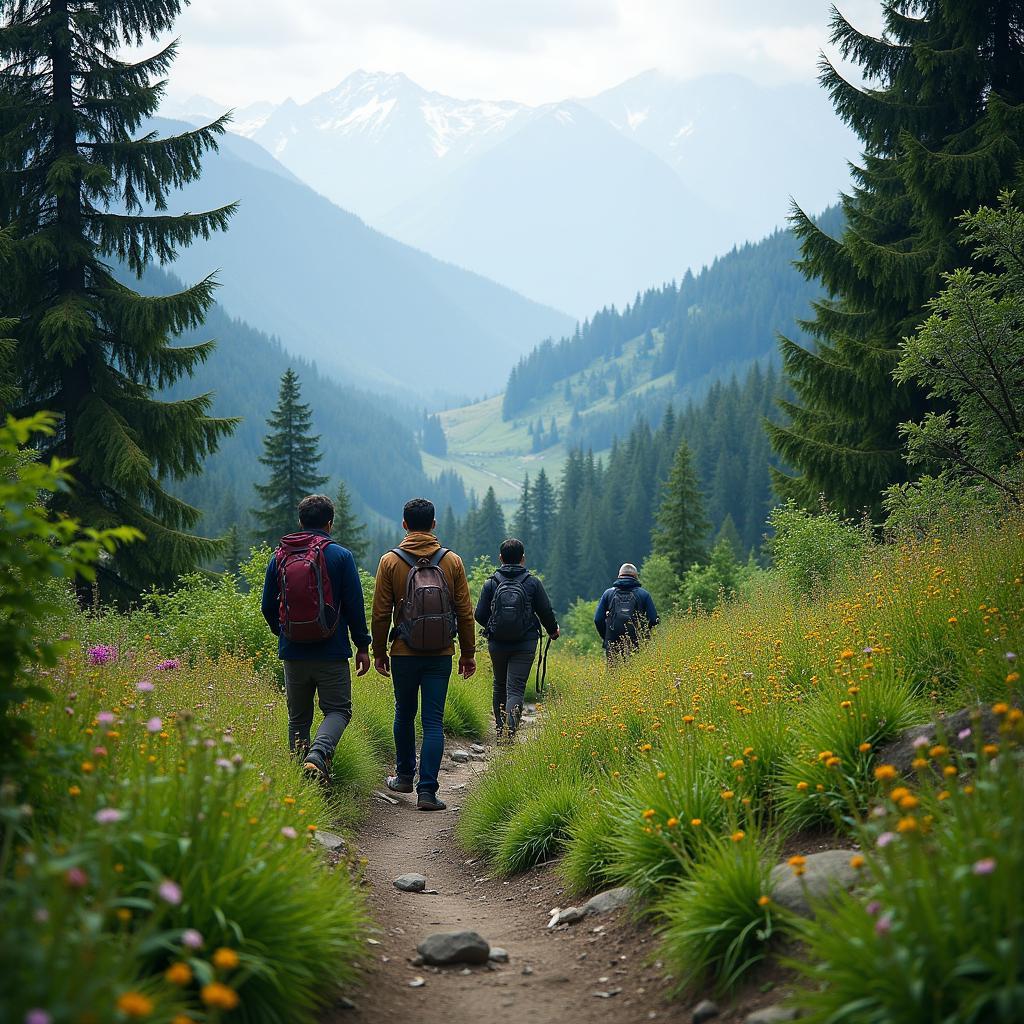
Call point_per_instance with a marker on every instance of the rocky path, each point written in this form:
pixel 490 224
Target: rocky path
pixel 598 969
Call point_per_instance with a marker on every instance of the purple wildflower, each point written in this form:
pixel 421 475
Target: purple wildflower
pixel 108 815
pixel 963 734
pixel 883 925
pixel 885 839
pixel 154 724
pixel 191 939
pixel 105 718
pixel 921 741
pixel 873 907
pixel 168 665
pixel 985 866
pixel 1010 656
pixel 288 832
pixel 76 878
pixel 170 892
pixel 145 686
pixel 37 1016
pixel 101 654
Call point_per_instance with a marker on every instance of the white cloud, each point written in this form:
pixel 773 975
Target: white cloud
pixel 239 51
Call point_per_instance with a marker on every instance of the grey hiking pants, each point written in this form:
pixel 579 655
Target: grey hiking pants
pixel 331 681
pixel 511 674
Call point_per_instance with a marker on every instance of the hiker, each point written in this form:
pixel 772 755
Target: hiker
pixel 512 608
pixel 313 601
pixel 420 604
pixel 625 613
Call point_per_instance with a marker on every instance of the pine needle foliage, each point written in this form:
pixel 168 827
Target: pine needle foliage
pixel 349 530
pixel 80 188
pixel 681 527
pixel 942 127
pixel 292 454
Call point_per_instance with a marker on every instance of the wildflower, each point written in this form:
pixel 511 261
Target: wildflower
pixel 289 800
pixel 991 749
pixel 311 828
pixel 144 686
pixel 885 839
pixel 289 833
pixel 883 925
pixel 180 1018
pixel 857 862
pixel 1010 656
pixel 873 907
pixel 833 762
pixel 885 773
pixel 38 1016
pixel 101 654
pixel 949 770
pixel 168 665
pixel 135 1004
pixel 909 802
pixel 919 763
pixel 938 751
pixel 739 763
pixel 985 866
pixel 124 915
pixel 170 892
pixel 105 718
pixel 645 747
pixel 1000 708
pixel 108 815
pixel 963 734
pixel 1012 677
pixel 649 813
pixel 801 786
pixel 727 794
pixel 154 724
pixel 763 901
pixel 738 836
pixel 944 794
pixel 88 767
pixel 846 704
pixel 218 996
pixel 899 793
pixel 75 878
pixel 179 974
pixel 907 824
pixel 74 791
pixel 661 775
pixel 224 958
pixel 672 822
pixel 191 939
pixel 920 741
pixel 696 822
pixel 846 655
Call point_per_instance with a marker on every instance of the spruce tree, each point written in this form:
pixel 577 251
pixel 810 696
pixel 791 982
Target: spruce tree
pixel 942 125
pixel 522 527
pixel 292 455
pixel 489 527
pixel 349 530
pixel 542 517
pixel 81 191
pixel 681 527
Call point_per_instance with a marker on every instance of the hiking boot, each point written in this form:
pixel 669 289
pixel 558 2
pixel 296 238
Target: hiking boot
pixel 399 783
pixel 429 802
pixel 312 768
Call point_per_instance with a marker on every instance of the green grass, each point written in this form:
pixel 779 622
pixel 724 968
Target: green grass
pixel 539 827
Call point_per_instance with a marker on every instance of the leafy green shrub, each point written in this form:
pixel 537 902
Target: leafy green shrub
pixel 813 551
pixel 578 627
pixel 718 920
pixel 661 581
pixel 539 827
pixel 934 936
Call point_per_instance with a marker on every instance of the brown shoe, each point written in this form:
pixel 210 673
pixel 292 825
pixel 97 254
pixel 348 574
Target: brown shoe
pixel 312 770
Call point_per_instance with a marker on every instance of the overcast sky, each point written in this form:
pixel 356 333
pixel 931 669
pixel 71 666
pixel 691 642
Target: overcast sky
pixel 239 51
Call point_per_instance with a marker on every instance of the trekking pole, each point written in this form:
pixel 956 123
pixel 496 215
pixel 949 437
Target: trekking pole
pixel 540 683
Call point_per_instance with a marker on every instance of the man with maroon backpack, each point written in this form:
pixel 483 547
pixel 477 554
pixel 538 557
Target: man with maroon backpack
pixel 313 601
pixel 420 604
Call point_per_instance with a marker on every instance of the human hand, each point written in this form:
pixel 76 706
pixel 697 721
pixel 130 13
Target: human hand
pixel 383 665
pixel 467 666
pixel 362 662
pixel 557 633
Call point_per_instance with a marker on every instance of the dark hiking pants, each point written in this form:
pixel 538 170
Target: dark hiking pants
pixel 420 680
pixel 331 682
pixel 511 674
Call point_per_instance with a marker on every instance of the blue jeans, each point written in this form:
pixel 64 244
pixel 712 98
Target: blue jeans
pixel 412 674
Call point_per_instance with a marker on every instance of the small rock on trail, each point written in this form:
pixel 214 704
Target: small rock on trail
pixel 478 748
pixel 772 1015
pixel 459 756
pixel 705 1010
pixel 499 955
pixel 454 948
pixel 411 882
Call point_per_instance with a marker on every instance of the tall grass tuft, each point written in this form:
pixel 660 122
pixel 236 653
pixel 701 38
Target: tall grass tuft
pixel 539 828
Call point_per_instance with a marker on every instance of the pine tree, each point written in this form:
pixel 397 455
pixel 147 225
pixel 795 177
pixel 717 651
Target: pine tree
pixel 542 517
pixel 231 553
pixel 522 527
pixel 681 527
pixel 81 191
pixel 489 528
pixel 292 455
pixel 943 130
pixel 448 528
pixel 349 530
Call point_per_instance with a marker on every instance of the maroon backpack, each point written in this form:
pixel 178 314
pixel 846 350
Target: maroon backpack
pixel 306 608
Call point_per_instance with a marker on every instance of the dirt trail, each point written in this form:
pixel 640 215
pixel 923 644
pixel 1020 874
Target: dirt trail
pixel 563 967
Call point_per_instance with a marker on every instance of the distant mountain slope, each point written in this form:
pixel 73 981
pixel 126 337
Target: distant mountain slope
pixel 368 309
pixel 363 445
pixel 566 210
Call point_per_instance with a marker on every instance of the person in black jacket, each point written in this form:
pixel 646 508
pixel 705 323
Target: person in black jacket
pixel 513 607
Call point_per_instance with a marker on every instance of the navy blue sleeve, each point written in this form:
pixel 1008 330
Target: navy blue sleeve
pixel 483 605
pixel 602 609
pixel 650 611
pixel 349 594
pixel 270 604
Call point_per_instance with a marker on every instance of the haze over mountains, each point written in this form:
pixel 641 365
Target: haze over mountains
pixel 576 204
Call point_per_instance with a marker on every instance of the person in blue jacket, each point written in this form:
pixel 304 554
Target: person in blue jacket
pixel 321 668
pixel 625 614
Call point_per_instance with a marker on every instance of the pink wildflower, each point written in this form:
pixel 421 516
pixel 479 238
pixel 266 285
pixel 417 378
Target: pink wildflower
pixel 154 724
pixel 76 878
pixel 288 832
pixel 105 718
pixel 170 892
pixel 985 866
pixel 885 839
pixel 101 654
pixel 108 815
pixel 144 686
pixel 168 665
pixel 883 925
pixel 191 938
pixel 37 1016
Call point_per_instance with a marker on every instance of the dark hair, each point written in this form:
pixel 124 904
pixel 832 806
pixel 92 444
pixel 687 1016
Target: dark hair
pixel 316 511
pixel 418 514
pixel 512 551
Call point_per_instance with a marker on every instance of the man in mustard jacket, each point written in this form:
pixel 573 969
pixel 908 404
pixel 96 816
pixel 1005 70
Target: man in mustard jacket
pixel 421 603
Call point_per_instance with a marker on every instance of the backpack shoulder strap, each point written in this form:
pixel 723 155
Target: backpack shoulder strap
pixel 435 559
pixel 405 557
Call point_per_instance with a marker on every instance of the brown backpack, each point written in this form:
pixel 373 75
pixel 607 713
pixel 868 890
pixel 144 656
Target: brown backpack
pixel 426 618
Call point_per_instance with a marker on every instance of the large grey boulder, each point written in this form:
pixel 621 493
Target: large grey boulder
pixel 824 872
pixel 454 948
pixel 411 882
pixel 960 730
